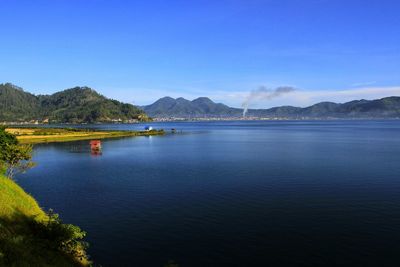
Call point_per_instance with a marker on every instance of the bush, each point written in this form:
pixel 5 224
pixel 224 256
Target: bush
pixel 14 157
pixel 66 238
pixel 26 241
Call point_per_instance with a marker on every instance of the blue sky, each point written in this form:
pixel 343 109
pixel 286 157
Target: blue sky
pixel 138 51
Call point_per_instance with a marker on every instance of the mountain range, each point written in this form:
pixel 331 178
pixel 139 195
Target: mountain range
pixel 85 105
pixel 75 105
pixel 388 107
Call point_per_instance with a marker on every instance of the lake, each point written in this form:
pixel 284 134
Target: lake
pixel 260 193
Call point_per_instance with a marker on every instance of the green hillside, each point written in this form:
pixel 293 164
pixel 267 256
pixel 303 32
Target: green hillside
pixel 15 104
pixel 76 105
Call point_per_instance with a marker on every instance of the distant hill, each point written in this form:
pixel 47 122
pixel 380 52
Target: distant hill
pixel 76 105
pixel 388 107
pixel 180 107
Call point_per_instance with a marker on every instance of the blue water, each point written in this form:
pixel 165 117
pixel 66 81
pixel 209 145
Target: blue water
pixel 286 193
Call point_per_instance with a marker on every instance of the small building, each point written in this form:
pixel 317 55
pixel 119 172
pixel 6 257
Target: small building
pixel 148 128
pixel 95 145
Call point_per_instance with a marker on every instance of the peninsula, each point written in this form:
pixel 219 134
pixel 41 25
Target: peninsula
pixel 52 135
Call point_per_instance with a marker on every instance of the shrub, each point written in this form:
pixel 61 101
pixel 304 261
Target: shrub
pixel 27 241
pixel 14 158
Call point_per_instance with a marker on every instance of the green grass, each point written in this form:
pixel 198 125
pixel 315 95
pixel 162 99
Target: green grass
pixel 24 238
pixel 13 198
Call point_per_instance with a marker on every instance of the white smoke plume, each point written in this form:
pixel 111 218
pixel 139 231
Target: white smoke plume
pixel 264 93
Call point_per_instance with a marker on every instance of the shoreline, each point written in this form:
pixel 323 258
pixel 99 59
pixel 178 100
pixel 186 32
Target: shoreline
pixel 38 135
pixel 194 119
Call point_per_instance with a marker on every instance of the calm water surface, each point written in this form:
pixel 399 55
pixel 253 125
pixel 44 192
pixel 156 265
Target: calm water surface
pixel 232 194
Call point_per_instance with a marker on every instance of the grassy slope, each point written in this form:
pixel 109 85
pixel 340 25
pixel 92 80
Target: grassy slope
pixel 19 244
pixel 13 198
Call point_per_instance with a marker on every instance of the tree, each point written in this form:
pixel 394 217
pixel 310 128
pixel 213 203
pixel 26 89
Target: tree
pixel 6 138
pixel 14 157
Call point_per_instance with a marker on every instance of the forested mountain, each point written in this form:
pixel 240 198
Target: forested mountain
pixel 76 105
pixel 200 107
pixel 388 107
pixel 17 104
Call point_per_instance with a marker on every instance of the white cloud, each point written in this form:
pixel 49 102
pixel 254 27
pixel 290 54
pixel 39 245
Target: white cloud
pixel 363 84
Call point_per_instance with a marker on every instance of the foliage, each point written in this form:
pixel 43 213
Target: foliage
pixel 6 139
pixel 17 105
pixel 17 159
pixel 14 158
pixel 66 238
pixel 39 240
pixel 76 105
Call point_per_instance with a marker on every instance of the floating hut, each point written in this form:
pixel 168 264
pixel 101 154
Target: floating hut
pixel 95 144
pixel 95 147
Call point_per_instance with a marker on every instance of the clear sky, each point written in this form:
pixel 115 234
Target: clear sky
pixel 138 51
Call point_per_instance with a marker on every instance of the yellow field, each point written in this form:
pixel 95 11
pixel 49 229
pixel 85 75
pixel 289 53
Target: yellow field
pixel 20 131
pixel 48 135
